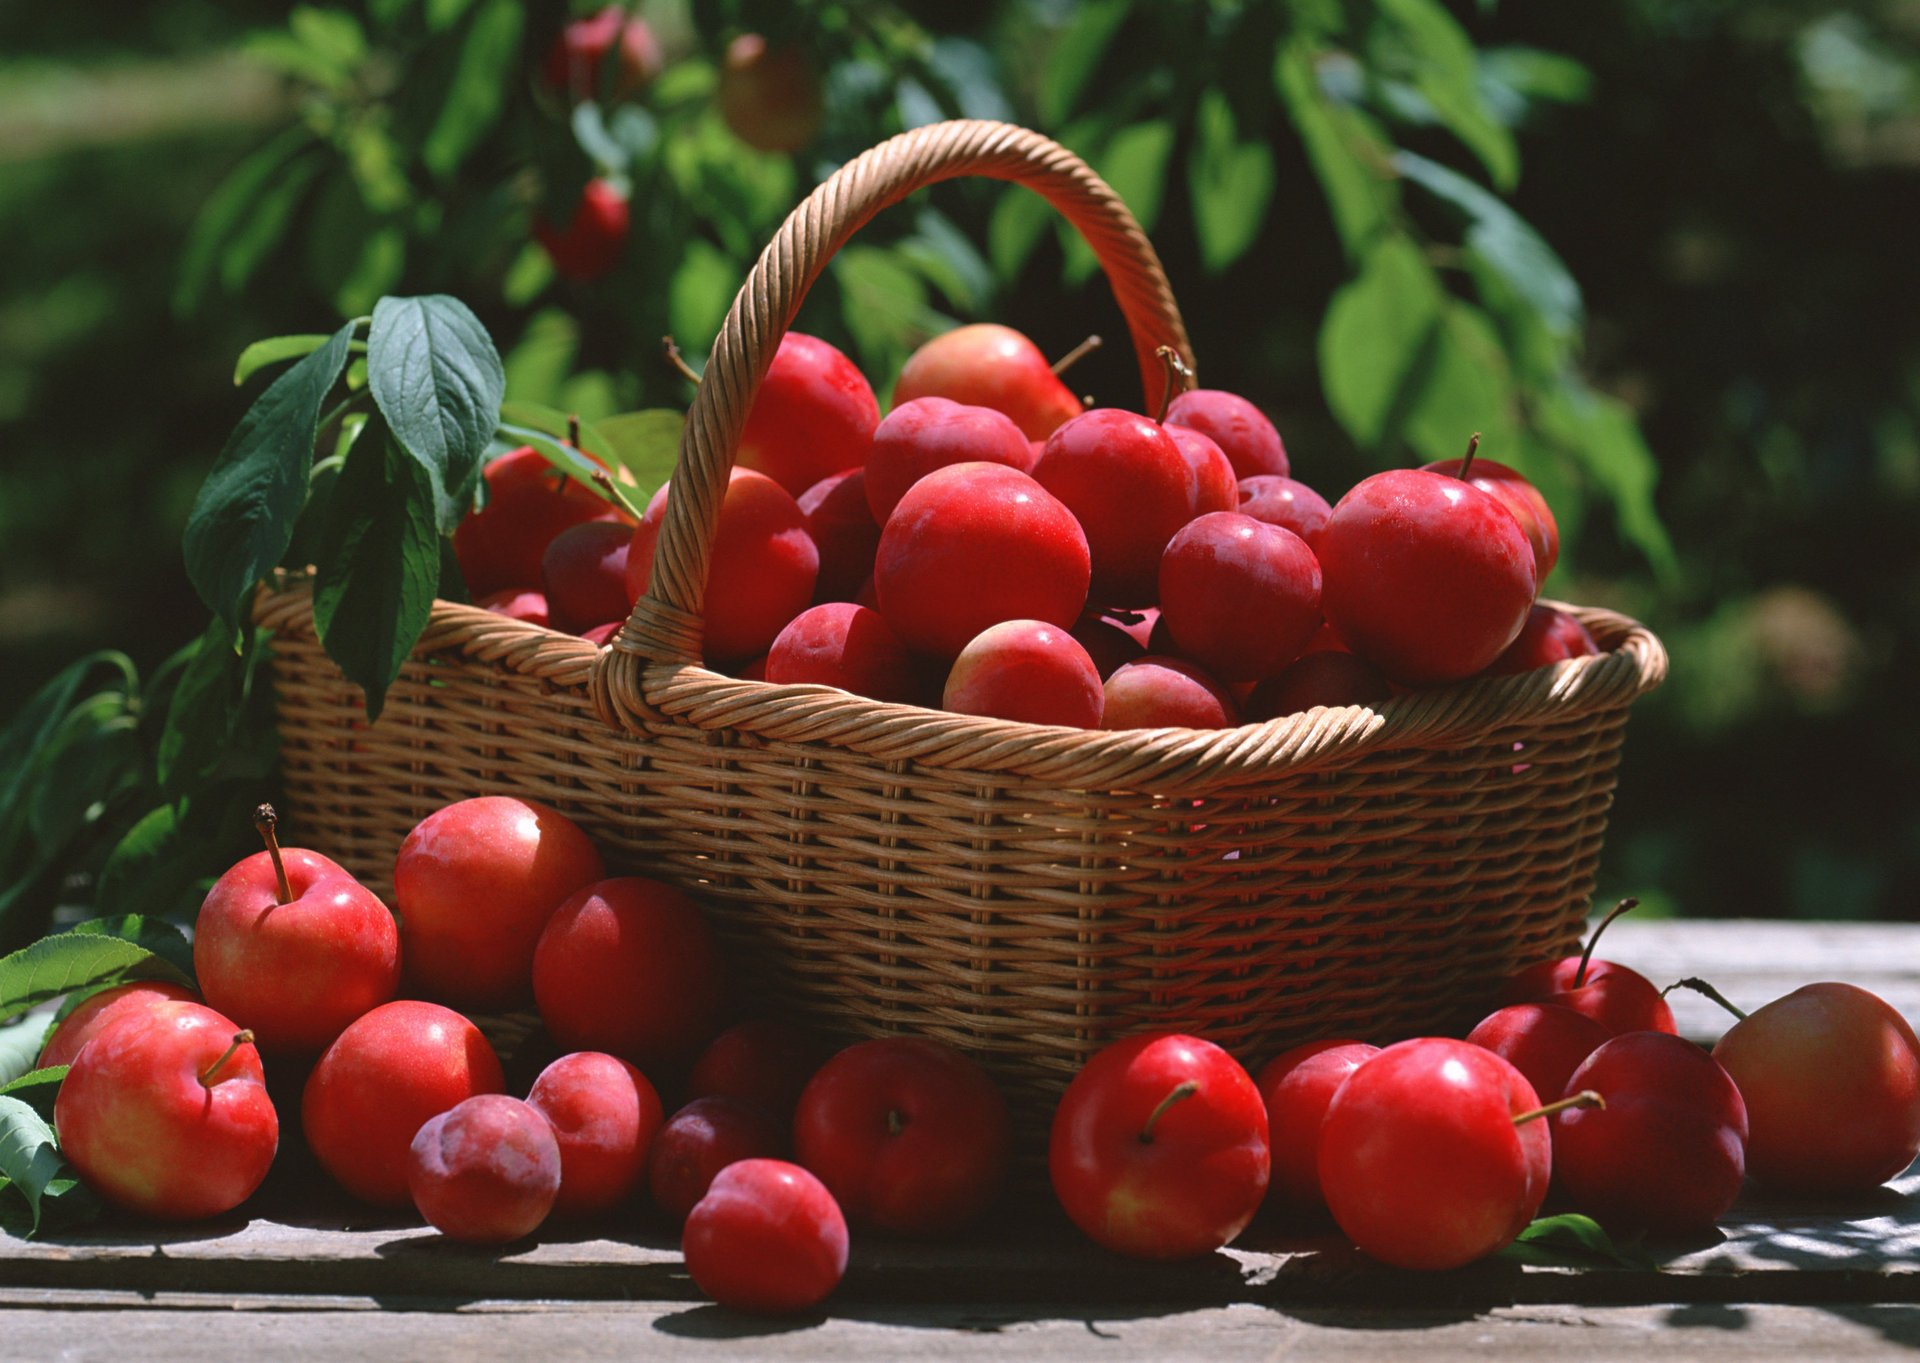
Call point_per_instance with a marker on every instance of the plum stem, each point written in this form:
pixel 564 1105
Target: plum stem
pixel 264 822
pixel 895 1122
pixel 679 361
pixel 604 481
pixel 1186 1089
pixel 1586 957
pixel 1584 1098
pixel 1077 354
pixel 1466 465
pixel 240 1038
pixel 1700 986
pixel 1179 378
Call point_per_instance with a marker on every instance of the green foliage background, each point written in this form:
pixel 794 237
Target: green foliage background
pixel 1628 240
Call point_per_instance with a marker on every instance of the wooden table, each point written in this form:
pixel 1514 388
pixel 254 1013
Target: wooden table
pixel 1792 1280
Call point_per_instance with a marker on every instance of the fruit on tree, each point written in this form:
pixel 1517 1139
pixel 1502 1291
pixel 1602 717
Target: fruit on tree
pixel 768 1237
pixel 770 96
pixel 1427 578
pixel 1025 670
pixel 292 947
pixel 813 415
pixel 629 966
pixel 475 883
pixel 762 571
pixel 77 1028
pixel 604 1115
pixel 848 646
pixel 1156 692
pixel 908 1134
pixel 1240 429
pixel 1238 596
pixel 988 365
pixel 1130 487
pixel 1297 1087
pixel 1667 1151
pixel 486 1171
pixel 1831 1078
pixel 577 65
pixel 379 1081
pixel 165 1113
pixel 1422 1158
pixel 589 244
pixel 1159 1147
pixel 972 545
pixel 700 1140
pixel 917 437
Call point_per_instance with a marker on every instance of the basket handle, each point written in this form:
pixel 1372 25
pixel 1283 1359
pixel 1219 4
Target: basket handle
pixel 665 625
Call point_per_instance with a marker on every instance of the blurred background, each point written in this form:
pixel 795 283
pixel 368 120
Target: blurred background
pixel 1662 252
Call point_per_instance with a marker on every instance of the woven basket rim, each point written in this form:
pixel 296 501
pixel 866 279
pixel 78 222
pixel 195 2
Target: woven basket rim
pixel 1634 663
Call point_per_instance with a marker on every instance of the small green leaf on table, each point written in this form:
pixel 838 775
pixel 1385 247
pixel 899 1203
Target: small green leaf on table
pixel 1571 1240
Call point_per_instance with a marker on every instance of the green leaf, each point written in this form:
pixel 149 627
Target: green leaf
pixel 243 519
pixel 1377 340
pixel 135 873
pixel 1076 56
pixel 1134 163
pixel 82 958
pixel 201 715
pixel 647 443
pixel 884 306
pixel 477 90
pixel 156 935
pixel 227 208
pixel 438 381
pixel 33 726
pixel 1575 1241
pixel 379 565
pixel 20 1045
pixel 93 757
pixel 256 235
pixel 562 455
pixel 1447 75
pixel 1348 154
pixel 1514 79
pixel 700 293
pixel 543 357
pixel 948 260
pixel 37 1088
pixel 1467 386
pixel 1019 222
pixel 1231 183
pixel 1602 435
pixel 29 1156
pixel 274 350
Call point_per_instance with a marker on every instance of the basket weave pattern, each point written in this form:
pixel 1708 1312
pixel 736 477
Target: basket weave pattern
pixel 1025 893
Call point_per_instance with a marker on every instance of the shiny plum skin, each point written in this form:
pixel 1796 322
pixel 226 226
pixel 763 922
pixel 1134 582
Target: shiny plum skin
pixel 1667 1153
pixel 844 531
pixel 1214 488
pixel 700 1140
pixel 972 545
pixel 1831 1078
pixel 517 603
pixel 486 1171
pixel 1549 636
pixel 1156 693
pixel 529 501
pixel 604 1115
pixel 909 1135
pixel 1420 1160
pixel 629 966
pixel 1107 642
pixel 1297 1087
pixel 770 96
pixel 1240 429
pixel 1329 677
pixel 1619 999
pixel 988 365
pixel 763 1061
pixel 1427 578
pixel 1281 501
pixel 917 437
pixel 813 416
pixel 584 575
pixel 1025 670
pixel 1544 1041
pixel 768 1237
pixel 1130 487
pixel 475 883
pixel 380 1081
pixel 762 571
pixel 1238 596
pixel 848 646
pixel 77 1028
pixel 138 1118
pixel 1520 497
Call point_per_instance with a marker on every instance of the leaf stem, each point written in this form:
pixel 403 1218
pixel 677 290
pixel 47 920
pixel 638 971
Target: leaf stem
pixel 604 481
pixel 679 361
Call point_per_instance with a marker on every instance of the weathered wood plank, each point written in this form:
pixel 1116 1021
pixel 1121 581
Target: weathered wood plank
pixel 175 1329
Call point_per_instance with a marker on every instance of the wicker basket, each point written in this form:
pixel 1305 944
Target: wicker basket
pixel 1025 893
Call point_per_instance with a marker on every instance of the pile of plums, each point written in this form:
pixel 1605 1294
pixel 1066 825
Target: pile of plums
pixel 1428 1154
pixel 991 548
